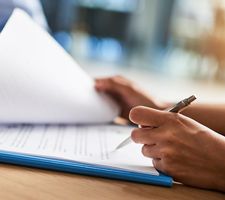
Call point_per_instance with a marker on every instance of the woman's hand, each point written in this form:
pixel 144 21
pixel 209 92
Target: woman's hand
pixel 181 147
pixel 126 94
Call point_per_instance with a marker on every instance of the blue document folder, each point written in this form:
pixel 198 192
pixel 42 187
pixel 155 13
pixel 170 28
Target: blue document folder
pixel 83 168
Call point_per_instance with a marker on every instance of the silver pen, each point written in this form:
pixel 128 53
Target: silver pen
pixel 175 109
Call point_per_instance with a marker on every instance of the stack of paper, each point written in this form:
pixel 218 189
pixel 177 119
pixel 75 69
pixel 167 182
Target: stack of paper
pixel 42 86
pixel 41 83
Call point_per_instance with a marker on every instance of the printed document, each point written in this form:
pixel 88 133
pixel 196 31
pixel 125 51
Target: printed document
pixel 93 144
pixel 41 84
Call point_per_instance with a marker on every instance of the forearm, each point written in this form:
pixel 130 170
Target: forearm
pixel 212 116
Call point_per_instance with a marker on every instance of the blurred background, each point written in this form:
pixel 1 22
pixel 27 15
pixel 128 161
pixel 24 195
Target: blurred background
pixel 175 37
pixel 165 45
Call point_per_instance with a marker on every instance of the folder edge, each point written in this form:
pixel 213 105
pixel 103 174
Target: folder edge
pixel 83 168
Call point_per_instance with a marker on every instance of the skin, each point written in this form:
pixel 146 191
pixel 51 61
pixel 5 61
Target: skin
pixel 190 146
pixel 126 94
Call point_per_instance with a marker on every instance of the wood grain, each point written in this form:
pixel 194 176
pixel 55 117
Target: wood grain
pixel 17 183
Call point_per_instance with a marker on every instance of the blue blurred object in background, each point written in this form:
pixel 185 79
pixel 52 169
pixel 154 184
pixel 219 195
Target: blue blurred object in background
pixel 174 37
pixel 60 15
pixel 32 7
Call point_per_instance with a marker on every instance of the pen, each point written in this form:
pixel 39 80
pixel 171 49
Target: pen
pixel 175 109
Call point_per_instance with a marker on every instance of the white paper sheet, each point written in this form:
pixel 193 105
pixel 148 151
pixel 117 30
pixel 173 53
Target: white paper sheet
pixel 41 83
pixel 89 144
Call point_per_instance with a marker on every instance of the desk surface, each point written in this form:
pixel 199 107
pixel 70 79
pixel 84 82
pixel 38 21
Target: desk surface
pixel 18 183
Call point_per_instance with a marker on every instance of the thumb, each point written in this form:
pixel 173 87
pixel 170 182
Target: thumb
pixel 147 116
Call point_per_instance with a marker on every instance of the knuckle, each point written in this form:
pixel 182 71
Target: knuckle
pixel 200 133
pixel 167 168
pixel 166 154
pixel 168 161
pixel 175 120
pixel 124 84
pixel 163 166
pixel 112 80
pixel 117 79
pixel 168 137
pixel 124 81
pixel 174 117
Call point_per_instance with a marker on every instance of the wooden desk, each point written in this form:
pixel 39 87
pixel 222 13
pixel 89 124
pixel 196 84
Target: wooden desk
pixel 18 183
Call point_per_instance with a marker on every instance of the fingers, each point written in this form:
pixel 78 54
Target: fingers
pixel 158 164
pixel 151 151
pixel 116 85
pixel 147 136
pixel 150 138
pixel 104 84
pixel 148 117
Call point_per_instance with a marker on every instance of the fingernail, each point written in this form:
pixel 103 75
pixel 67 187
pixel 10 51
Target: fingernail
pixel 132 114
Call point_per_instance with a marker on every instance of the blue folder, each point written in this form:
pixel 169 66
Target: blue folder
pixel 83 168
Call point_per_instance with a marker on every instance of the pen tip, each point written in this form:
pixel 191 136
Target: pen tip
pixel 117 148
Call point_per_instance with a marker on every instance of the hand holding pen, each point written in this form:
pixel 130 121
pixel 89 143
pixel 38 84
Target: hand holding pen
pixel 175 109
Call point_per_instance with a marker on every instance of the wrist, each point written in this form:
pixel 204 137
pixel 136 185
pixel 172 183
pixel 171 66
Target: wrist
pixel 220 182
pixel 219 177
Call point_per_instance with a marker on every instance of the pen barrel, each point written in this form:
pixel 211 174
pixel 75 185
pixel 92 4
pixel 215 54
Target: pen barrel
pixel 182 104
pixel 178 107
